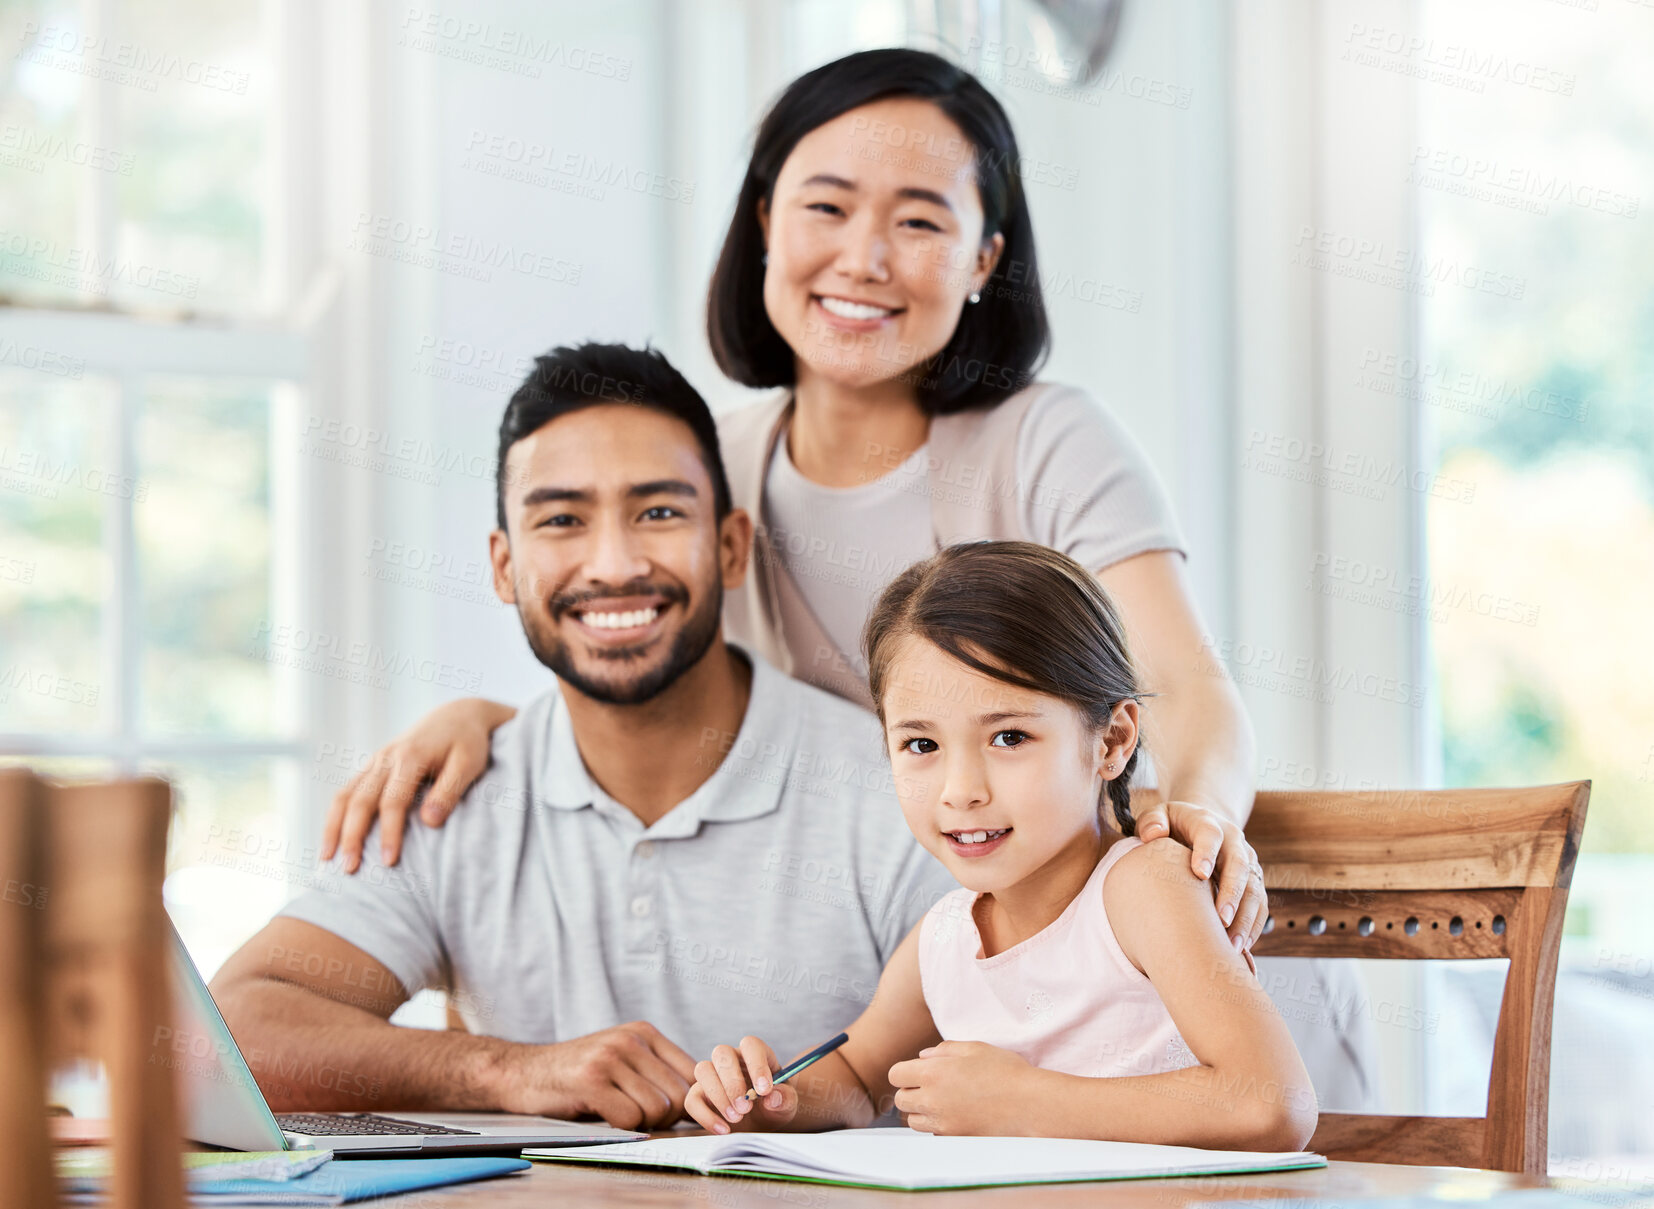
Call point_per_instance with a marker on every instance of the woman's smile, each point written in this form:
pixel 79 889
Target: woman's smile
pixel 852 315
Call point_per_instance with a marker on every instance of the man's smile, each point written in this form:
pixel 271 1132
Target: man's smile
pixel 614 620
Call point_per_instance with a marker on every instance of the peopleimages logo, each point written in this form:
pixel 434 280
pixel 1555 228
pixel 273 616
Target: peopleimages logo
pixel 537 163
pixel 82 269
pixel 32 148
pixel 1449 63
pixel 355 661
pixel 1515 185
pixel 1349 471
pixel 68 48
pixel 1407 269
pixel 41 360
pixel 455 252
pixel 35 473
pixel 519 52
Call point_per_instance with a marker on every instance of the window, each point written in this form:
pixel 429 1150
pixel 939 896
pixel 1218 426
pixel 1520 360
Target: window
pixel 134 138
pixel 1535 388
pixel 148 428
pixel 1442 402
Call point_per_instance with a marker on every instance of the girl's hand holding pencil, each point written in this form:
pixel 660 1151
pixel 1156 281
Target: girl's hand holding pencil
pixel 719 1099
pixel 735 1089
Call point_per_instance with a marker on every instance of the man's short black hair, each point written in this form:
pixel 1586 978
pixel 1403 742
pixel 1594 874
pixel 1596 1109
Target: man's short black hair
pixel 570 378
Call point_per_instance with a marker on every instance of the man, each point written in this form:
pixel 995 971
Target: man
pixel 676 835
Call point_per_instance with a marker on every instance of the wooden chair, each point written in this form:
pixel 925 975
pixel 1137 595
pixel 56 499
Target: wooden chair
pixel 26 1175
pixel 83 960
pixel 1433 874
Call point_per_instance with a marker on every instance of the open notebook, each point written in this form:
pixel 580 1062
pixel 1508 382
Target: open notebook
pixel 906 1159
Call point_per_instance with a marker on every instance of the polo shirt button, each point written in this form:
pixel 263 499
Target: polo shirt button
pixel 646 849
pixel 640 906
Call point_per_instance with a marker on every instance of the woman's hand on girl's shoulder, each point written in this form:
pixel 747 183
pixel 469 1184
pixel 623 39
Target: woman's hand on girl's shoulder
pixel 1217 849
pixel 1154 898
pixel 447 749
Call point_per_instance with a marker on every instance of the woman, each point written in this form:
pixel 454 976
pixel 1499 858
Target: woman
pixel 879 270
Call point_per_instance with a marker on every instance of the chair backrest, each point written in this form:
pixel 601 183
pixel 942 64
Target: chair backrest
pixel 83 964
pixel 26 1175
pixel 1433 874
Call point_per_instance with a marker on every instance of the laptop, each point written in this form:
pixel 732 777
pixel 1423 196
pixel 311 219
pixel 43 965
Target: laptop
pixel 223 1106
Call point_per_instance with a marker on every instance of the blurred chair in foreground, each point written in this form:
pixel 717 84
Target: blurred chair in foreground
pixel 83 973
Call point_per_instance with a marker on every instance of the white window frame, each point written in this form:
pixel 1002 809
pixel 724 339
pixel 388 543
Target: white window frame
pixel 128 351
pixel 316 348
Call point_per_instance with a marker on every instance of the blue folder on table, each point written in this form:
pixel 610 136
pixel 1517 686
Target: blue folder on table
pixel 344 1180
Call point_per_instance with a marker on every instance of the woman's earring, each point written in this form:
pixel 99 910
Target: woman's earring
pixel 975 297
pixel 765 259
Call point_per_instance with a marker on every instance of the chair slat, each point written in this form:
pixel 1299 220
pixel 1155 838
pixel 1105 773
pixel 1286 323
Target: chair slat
pixel 1446 839
pixel 1374 923
pixel 26 1174
pixel 1426 1141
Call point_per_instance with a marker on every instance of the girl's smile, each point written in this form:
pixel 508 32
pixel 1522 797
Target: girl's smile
pixel 976 844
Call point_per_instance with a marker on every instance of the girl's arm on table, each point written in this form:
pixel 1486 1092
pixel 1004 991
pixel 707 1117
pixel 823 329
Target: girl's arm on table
pixel 849 1088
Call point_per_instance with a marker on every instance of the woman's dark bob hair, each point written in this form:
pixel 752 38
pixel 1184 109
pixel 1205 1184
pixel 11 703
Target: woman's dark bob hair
pixel 999 342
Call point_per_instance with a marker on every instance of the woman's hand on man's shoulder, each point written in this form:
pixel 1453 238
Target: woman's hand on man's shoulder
pixel 447 750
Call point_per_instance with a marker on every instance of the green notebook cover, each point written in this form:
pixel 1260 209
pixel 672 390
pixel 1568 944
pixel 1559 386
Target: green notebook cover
pixel 203 1167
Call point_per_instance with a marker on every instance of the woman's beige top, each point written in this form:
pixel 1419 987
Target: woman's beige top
pixel 1050 464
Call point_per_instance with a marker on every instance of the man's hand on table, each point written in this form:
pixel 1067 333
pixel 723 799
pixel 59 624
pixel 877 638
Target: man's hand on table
pixel 630 1075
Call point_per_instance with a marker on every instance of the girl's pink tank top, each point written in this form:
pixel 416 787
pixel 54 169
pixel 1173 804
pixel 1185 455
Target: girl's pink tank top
pixel 1066 999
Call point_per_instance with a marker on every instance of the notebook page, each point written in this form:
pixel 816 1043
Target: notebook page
pixel 905 1158
pixel 693 1154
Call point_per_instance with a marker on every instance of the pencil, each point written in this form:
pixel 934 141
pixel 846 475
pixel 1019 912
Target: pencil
pixel 798 1064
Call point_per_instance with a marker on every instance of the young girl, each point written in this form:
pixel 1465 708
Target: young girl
pixel 1079 985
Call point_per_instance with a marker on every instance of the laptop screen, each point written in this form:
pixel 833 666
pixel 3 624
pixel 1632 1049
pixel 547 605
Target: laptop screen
pixel 221 1103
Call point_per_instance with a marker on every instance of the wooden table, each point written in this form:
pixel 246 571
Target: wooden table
pixel 559 1184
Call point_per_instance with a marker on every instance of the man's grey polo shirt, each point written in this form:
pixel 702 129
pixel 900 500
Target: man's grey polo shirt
pixel 766 902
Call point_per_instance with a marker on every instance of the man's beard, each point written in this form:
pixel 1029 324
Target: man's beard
pixel 690 643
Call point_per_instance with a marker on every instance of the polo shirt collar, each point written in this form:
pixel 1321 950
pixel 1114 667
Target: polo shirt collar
pixel 746 784
pixel 565 784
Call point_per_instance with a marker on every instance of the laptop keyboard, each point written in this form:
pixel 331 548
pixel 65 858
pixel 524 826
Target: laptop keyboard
pixel 327 1125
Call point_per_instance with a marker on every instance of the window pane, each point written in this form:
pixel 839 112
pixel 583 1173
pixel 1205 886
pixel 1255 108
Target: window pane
pixel 1542 400
pixel 133 154
pixel 1534 384
pixel 203 536
pixel 232 858
pixel 45 162
pixel 57 477
pixel 191 210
